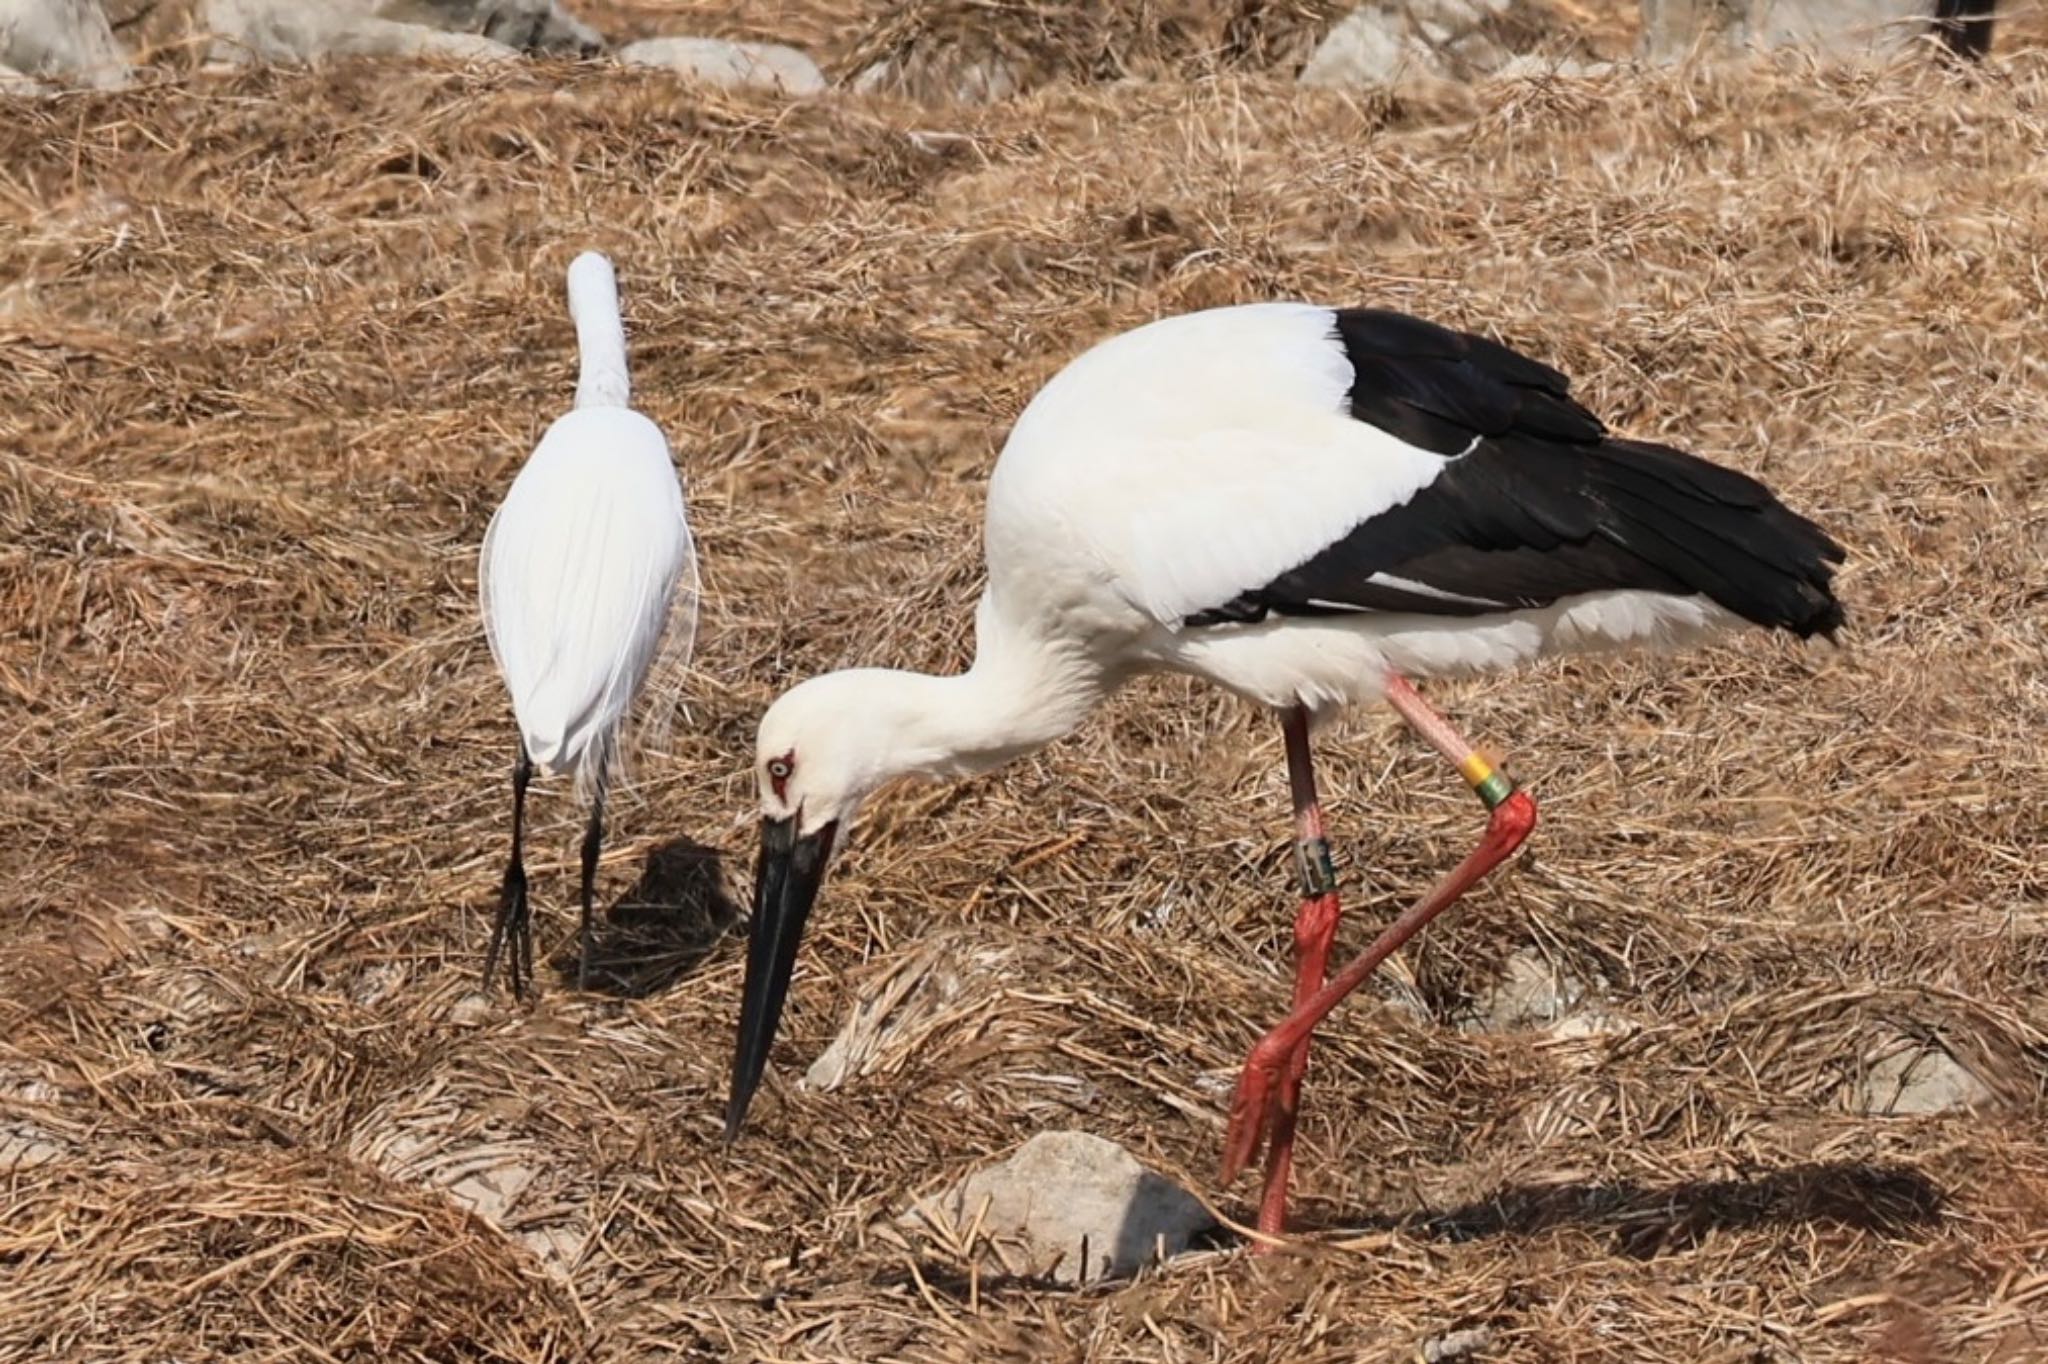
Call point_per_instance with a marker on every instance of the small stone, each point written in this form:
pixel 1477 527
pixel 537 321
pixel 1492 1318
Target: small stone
pixel 377 983
pixel 470 1011
pixel 940 77
pixel 69 40
pixel 1367 47
pixel 1387 42
pixel 1530 994
pixel 1062 1197
pixel 1456 1345
pixel 731 65
pixel 1672 29
pixel 307 30
pixel 1912 1079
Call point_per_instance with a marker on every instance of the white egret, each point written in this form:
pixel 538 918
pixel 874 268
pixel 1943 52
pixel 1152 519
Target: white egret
pixel 589 591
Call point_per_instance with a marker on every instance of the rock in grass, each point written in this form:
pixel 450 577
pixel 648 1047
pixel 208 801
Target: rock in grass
pixel 1453 1346
pixel 1033 1214
pixel 294 31
pixel 732 65
pixel 1385 42
pixel 1910 1078
pixel 540 27
pixel 461 30
pixel 1672 29
pixel 68 40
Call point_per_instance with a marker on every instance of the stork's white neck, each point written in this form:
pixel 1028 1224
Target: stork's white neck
pixel 600 334
pixel 1021 694
pixel 847 733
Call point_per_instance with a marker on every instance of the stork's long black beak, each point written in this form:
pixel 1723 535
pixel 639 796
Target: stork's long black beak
pixel 786 884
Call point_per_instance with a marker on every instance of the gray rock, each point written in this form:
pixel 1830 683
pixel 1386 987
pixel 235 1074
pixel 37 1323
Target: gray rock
pixel 294 31
pixel 1673 28
pixel 1034 1213
pixel 1391 40
pixel 68 40
pixel 1530 993
pixel 1911 1078
pixel 534 26
pixel 1456 1345
pixel 463 30
pixel 733 65
pixel 941 77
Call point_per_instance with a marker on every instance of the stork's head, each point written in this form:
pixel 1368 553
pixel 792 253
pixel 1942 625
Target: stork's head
pixel 824 745
pixel 820 750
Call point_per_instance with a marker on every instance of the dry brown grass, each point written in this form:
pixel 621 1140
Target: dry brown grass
pixel 274 345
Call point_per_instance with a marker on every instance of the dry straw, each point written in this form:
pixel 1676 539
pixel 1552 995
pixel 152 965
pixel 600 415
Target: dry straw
pixel 272 345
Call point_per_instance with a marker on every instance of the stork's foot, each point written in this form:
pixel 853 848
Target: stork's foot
pixel 1253 1110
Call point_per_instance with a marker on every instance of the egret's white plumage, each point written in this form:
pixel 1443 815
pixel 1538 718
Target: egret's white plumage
pixel 588 572
pixel 582 566
pixel 1305 505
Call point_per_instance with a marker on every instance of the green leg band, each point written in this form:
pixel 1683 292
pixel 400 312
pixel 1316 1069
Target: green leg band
pixel 1494 791
pixel 1318 872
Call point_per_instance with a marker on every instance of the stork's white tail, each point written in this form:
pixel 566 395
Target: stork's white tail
pixel 600 335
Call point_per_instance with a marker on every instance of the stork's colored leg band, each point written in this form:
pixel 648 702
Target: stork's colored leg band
pixel 1492 785
pixel 1318 872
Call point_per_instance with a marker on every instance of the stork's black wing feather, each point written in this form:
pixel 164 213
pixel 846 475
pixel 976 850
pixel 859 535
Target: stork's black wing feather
pixel 1537 502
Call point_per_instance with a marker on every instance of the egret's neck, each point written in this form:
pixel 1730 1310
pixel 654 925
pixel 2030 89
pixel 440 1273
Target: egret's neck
pixel 1021 694
pixel 601 341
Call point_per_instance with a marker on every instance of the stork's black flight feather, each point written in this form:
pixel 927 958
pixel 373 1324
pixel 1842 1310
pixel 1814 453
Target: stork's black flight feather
pixel 1537 502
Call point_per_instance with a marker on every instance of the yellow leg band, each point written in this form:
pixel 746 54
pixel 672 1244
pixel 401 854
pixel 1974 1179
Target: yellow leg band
pixel 1476 769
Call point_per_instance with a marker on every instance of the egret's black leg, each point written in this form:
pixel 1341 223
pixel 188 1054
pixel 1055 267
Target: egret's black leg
pixel 593 839
pixel 513 930
pixel 1964 27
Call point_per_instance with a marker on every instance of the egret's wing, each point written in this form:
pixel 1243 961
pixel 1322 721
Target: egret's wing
pixel 668 672
pixel 579 567
pixel 484 596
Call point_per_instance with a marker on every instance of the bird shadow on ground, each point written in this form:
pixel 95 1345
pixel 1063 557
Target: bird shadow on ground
pixel 662 929
pixel 1644 1221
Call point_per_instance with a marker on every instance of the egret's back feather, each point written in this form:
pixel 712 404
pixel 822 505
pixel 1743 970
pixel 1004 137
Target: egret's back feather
pixel 588 578
pixel 580 569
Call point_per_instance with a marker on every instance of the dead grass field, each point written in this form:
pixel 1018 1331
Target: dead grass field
pixel 272 346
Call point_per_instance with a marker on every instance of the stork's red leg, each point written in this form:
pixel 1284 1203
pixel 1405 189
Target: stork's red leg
pixel 1513 816
pixel 1315 928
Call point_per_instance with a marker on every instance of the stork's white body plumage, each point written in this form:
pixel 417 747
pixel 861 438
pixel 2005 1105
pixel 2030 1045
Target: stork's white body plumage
pixel 1168 495
pixel 587 580
pixel 1307 506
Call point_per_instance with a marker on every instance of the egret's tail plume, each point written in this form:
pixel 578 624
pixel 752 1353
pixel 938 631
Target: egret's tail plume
pixel 600 335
